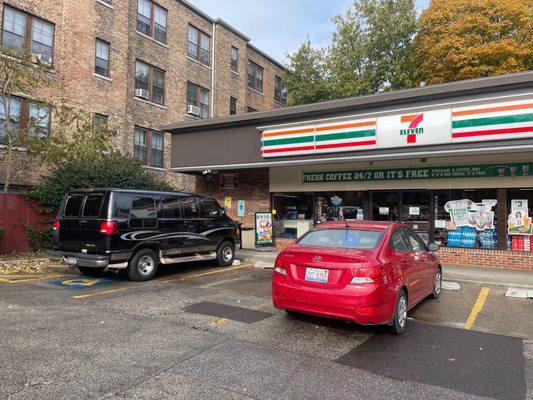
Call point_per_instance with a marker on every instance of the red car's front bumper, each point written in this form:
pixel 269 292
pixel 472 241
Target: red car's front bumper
pixel 363 304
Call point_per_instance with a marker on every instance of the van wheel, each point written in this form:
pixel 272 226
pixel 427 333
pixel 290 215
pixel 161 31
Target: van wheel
pixel 142 266
pixel 225 254
pixel 399 320
pixel 90 271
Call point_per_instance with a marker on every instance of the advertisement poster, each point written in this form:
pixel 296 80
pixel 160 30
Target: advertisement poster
pixel 263 228
pixel 519 222
pixel 466 213
pixel 240 208
pixel 458 210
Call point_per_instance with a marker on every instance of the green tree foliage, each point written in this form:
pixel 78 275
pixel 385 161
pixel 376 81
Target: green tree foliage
pixel 469 39
pixel 306 77
pixel 114 170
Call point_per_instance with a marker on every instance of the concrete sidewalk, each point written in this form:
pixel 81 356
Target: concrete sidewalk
pixel 460 273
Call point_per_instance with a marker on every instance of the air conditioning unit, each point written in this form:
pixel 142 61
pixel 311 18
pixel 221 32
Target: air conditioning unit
pixel 40 59
pixel 193 110
pixel 142 93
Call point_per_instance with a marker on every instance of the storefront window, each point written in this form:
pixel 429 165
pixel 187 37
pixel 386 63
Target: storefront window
pixel 293 214
pixel 334 206
pixel 519 224
pixel 385 206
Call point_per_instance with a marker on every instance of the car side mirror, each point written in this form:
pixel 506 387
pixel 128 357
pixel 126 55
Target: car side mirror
pixel 433 247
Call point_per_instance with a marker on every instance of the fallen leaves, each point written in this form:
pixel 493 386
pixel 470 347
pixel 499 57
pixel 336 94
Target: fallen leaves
pixel 25 267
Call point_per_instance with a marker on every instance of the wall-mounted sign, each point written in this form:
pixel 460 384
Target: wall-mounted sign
pixel 240 208
pixel 447 172
pixel 263 228
pixel 229 180
pixel 227 202
pixel 493 121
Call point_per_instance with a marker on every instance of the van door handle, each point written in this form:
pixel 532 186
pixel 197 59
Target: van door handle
pixel 83 221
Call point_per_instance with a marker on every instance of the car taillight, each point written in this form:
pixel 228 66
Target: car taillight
pixel 366 275
pixel 108 227
pixel 278 267
pixel 55 225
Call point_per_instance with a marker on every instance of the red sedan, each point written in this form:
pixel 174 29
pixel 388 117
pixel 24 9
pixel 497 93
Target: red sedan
pixel 363 271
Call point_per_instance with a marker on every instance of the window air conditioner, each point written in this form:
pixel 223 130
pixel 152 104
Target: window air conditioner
pixel 142 93
pixel 193 110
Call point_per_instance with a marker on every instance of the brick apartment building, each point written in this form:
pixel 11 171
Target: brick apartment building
pixel 138 65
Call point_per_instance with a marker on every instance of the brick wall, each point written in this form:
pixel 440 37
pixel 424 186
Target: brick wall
pixel 252 188
pixel 486 258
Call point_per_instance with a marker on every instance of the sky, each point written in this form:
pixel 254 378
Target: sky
pixel 279 27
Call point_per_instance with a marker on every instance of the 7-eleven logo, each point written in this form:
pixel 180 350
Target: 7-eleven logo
pixel 413 128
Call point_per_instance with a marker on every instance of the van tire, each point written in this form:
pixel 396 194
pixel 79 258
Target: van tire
pixel 143 265
pixel 90 271
pixel 225 254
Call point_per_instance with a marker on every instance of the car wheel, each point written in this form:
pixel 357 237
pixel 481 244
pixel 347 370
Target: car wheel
pixel 142 266
pixel 90 271
pixel 399 321
pixel 437 284
pixel 225 254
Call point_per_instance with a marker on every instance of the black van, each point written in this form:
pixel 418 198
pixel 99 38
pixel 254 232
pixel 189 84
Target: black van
pixel 136 230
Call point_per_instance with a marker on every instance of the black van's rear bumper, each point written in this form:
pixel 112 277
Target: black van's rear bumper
pixel 84 260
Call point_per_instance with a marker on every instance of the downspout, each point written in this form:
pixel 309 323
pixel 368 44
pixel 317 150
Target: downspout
pixel 213 70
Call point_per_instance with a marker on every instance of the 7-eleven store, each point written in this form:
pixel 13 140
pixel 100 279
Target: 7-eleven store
pixel 452 161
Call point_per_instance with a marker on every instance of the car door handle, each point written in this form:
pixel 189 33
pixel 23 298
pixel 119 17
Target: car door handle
pixel 83 221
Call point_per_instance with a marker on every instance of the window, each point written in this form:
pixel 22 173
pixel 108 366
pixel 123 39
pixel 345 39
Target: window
pixel 399 241
pixel 416 244
pixel 210 208
pixel 157 150
pixel 189 208
pixel 255 76
pixel 280 91
pixel 232 106
pixel 151 80
pixel 145 139
pixel 25 114
pixel 343 238
pixel 250 109
pixel 199 97
pixel 101 62
pixel 73 205
pixel 100 120
pixel 91 209
pixel 152 20
pixel 139 145
pixel 39 39
pixel 199 45
pixel 171 207
pixel 142 213
pixel 234 59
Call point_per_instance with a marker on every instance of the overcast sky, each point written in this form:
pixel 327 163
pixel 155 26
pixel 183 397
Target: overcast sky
pixel 280 26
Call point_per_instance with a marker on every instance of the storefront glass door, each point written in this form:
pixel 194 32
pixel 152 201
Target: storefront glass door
pixel 386 206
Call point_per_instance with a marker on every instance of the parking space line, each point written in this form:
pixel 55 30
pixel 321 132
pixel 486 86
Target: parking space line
pixel 478 306
pixel 157 281
pixel 11 280
pixel 257 307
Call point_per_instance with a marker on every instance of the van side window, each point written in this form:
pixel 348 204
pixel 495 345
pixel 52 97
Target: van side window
pixel 122 205
pixel 189 207
pixel 171 207
pixel 210 208
pixel 143 213
pixel 93 202
pixel 73 205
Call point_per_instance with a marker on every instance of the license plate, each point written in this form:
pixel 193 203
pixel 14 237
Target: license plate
pixel 71 260
pixel 316 275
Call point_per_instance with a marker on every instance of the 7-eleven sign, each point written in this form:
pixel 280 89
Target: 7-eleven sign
pixel 413 128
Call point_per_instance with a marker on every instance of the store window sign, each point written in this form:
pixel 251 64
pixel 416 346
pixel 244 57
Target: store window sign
pixel 519 221
pixel 414 210
pixel 383 210
pixel 416 173
pixel 466 213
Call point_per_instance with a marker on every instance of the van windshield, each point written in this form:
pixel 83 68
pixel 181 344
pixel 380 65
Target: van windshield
pixel 360 239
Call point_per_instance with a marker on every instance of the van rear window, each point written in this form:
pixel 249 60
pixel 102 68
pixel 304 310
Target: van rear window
pixel 93 202
pixel 73 205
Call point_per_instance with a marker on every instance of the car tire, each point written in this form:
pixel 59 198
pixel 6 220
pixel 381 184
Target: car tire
pixel 291 313
pixel 437 284
pixel 90 271
pixel 399 321
pixel 143 265
pixel 225 254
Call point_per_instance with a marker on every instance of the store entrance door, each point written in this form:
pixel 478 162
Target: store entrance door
pixel 386 206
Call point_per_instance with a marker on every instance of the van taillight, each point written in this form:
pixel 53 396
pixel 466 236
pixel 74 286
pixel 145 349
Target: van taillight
pixel 109 227
pixel 55 225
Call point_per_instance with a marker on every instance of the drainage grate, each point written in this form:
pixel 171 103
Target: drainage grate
pixel 220 310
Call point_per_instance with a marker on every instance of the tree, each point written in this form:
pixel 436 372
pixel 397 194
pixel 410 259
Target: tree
pixel 305 76
pixel 371 47
pixel 115 170
pixel 18 76
pixel 469 39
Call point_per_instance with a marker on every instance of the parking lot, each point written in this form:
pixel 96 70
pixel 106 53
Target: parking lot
pixel 197 331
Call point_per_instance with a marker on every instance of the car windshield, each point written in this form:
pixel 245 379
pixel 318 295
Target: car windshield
pixel 360 239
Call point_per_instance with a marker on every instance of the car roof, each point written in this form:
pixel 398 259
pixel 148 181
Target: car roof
pixel 375 225
pixel 137 191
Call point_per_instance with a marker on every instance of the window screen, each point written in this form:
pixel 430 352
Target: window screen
pixel 189 208
pixel 171 207
pixel 73 205
pixel 143 213
pixel 92 205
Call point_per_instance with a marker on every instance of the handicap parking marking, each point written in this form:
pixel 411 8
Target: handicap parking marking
pixel 22 280
pixel 83 283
